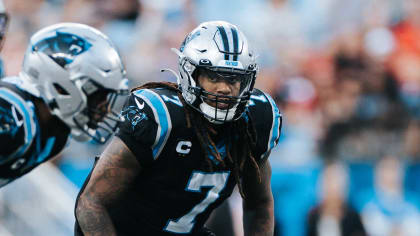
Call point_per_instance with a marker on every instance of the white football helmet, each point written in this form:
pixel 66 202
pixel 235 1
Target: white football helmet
pixel 219 49
pixel 79 74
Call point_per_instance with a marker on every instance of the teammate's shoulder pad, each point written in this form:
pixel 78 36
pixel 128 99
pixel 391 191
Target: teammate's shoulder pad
pixel 17 123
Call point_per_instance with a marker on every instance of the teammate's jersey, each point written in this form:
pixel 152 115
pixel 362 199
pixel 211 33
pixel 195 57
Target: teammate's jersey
pixel 25 141
pixel 175 192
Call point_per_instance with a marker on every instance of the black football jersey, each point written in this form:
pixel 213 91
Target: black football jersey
pixel 175 193
pixel 25 142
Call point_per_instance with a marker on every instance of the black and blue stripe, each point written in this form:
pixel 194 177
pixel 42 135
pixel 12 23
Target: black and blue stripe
pixel 235 43
pixel 225 41
pixel 275 126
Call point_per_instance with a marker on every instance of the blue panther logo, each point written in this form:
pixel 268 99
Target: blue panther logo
pixel 134 115
pixel 188 39
pixel 63 47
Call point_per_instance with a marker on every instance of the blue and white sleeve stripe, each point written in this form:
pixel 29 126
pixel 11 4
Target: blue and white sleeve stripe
pixel 162 118
pixel 28 119
pixel 275 126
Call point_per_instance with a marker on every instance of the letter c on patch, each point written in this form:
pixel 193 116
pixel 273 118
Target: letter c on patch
pixel 183 147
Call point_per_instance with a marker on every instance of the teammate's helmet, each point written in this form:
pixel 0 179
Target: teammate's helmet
pixel 75 69
pixel 4 22
pixel 220 49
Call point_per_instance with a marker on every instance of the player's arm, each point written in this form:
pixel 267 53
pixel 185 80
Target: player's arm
pixel 115 171
pixel 258 206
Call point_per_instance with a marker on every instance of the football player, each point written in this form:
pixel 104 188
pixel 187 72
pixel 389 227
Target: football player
pixel 70 78
pixel 184 147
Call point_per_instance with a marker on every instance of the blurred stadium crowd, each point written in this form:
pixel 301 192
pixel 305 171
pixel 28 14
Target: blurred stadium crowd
pixel 345 74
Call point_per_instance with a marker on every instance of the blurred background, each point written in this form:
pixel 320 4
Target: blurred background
pixel 345 74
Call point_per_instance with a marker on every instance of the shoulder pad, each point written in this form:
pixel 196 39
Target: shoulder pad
pixel 22 84
pixel 267 121
pixel 146 118
pixel 17 124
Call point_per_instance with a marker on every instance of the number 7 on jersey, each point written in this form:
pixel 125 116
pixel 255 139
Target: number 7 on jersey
pixel 217 182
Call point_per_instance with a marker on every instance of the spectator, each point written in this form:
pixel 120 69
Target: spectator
pixel 389 211
pixel 333 215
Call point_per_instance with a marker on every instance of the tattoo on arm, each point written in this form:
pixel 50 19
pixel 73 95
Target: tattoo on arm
pixel 114 173
pixel 258 206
